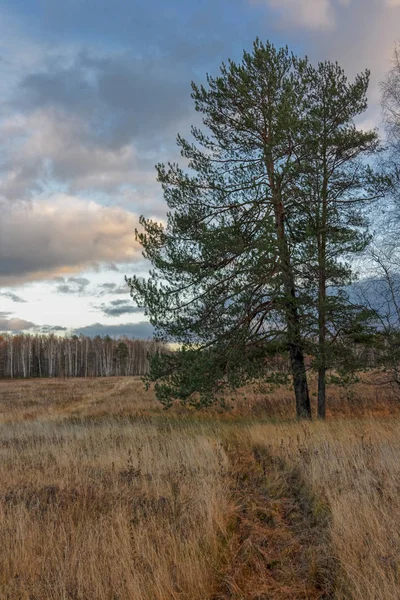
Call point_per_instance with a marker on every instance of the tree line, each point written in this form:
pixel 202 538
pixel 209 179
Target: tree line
pixel 77 356
pixel 269 226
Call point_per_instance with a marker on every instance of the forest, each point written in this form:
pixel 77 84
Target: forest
pixel 77 356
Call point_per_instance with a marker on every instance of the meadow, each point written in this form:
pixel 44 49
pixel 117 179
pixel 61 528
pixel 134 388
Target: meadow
pixel 106 496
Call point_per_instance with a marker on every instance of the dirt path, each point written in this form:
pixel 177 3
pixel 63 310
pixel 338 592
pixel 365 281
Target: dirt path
pixel 279 547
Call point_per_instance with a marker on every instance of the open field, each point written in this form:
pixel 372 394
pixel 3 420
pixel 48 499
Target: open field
pixel 105 496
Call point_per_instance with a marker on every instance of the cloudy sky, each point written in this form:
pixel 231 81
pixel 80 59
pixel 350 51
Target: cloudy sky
pixel 93 93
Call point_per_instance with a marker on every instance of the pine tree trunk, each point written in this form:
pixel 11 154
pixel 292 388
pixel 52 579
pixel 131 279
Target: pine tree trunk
pixel 303 406
pixel 322 300
pixel 297 363
pixel 322 332
pixel 322 340
pixel 321 393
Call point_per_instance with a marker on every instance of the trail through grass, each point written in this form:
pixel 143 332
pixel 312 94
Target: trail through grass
pixel 105 496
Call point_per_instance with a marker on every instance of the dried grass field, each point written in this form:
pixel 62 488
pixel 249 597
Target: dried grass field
pixel 105 496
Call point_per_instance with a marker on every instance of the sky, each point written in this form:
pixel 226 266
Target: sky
pixel 93 93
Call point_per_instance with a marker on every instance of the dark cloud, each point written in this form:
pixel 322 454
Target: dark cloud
pixel 66 153
pixel 17 325
pixel 14 324
pixel 117 311
pixel 103 100
pixel 122 99
pixel 72 285
pixel 112 288
pixel 116 308
pixel 51 329
pixel 142 330
pixel 99 120
pixel 12 296
pixel 190 31
pixel 67 87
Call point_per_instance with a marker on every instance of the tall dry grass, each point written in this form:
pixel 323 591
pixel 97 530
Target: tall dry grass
pixel 106 508
pixel 32 399
pixel 353 470
pixel 105 496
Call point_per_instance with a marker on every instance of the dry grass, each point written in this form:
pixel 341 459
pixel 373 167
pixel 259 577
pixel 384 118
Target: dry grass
pixel 104 496
pixel 105 508
pixel 97 398
pixel 278 548
pixel 367 396
pixel 29 399
pixel 353 471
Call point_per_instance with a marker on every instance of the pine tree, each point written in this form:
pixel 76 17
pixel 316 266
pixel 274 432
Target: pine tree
pixel 223 284
pixel 262 225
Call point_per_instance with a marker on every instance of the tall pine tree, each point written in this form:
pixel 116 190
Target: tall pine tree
pixel 259 227
pixel 222 283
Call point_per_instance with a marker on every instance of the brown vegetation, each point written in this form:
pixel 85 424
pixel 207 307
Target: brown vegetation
pixel 352 470
pixel 105 496
pixel 105 507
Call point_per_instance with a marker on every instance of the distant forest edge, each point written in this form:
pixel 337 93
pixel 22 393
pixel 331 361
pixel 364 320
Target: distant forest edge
pixel 25 355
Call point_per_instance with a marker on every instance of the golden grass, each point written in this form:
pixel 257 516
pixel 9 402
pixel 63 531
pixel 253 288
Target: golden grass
pixel 277 549
pixel 353 470
pixel 27 399
pixel 106 508
pixel 368 396
pixel 105 496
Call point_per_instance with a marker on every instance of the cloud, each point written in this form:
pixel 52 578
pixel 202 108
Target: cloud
pixel 10 324
pixel 12 296
pixel 112 288
pixel 342 39
pixel 92 123
pixel 63 234
pixel 99 120
pixel 14 324
pixel 311 14
pixel 72 285
pixel 356 51
pixel 142 330
pixel 116 308
pixel 49 146
pixel 122 97
pixel 45 329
